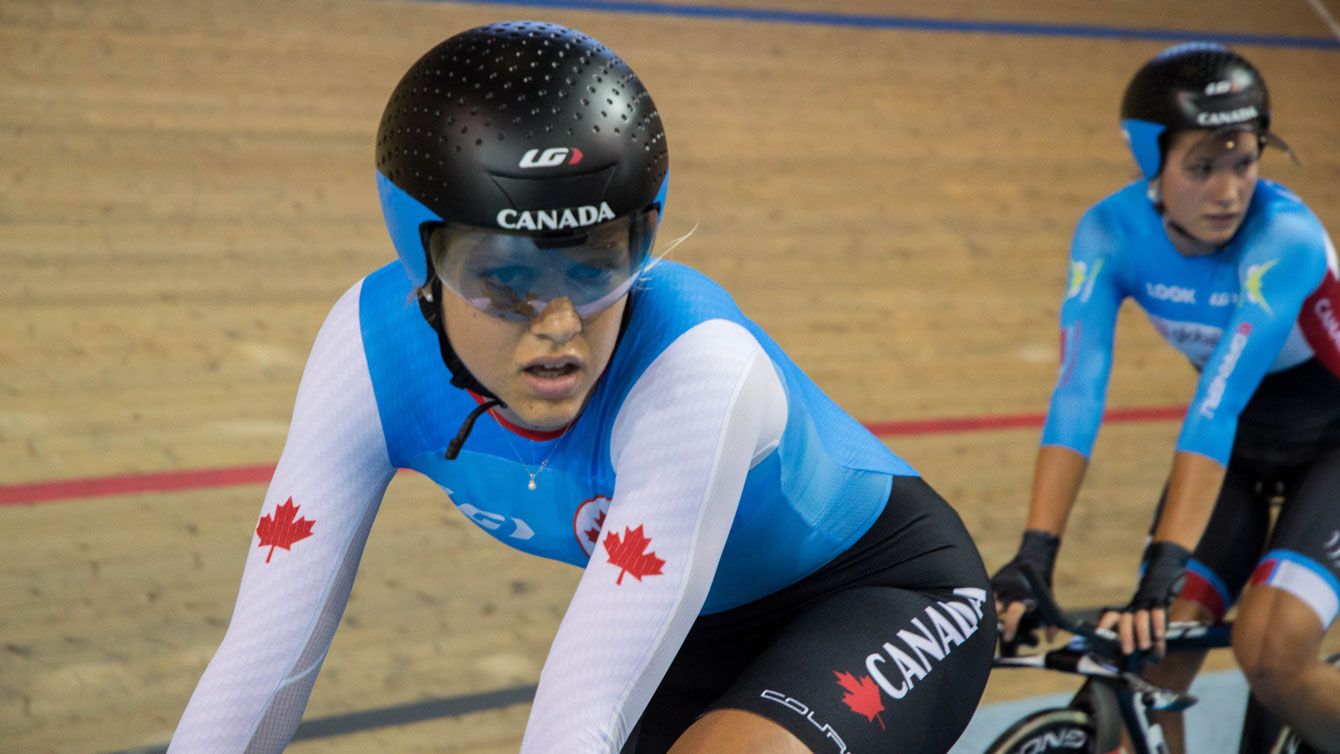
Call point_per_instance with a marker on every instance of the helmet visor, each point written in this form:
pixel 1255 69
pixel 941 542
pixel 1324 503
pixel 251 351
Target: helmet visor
pixel 515 275
pixel 1230 139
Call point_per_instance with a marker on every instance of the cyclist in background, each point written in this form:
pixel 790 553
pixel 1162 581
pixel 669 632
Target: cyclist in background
pixel 1236 273
pixel 761 574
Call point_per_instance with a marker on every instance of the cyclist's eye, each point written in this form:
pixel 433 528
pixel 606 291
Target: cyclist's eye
pixel 1199 171
pixel 513 276
pixel 589 274
pixel 1244 164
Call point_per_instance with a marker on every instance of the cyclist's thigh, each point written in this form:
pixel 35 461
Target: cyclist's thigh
pixel 875 669
pixel 1223 559
pixel 1303 555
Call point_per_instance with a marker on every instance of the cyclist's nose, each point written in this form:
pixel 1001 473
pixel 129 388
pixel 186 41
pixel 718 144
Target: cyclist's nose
pixel 1226 188
pixel 558 322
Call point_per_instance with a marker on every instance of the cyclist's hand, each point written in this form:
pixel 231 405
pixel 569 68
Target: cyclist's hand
pixel 1015 600
pixel 1142 623
pixel 1140 629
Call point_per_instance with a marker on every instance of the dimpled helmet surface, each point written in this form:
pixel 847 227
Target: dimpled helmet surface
pixel 1190 86
pixel 502 122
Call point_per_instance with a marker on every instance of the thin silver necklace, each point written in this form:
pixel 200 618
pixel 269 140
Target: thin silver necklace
pixel 530 485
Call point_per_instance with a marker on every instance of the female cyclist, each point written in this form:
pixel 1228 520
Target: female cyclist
pixel 761 574
pixel 1235 272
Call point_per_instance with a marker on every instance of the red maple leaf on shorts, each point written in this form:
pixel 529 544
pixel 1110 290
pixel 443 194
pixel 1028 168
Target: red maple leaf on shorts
pixel 282 530
pixel 629 553
pixel 862 695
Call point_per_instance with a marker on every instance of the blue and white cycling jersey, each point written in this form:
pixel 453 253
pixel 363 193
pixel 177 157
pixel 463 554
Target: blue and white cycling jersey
pixel 706 471
pixel 1265 302
pixel 803 503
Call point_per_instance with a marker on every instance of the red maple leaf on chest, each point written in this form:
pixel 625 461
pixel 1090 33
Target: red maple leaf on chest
pixel 629 554
pixel 282 530
pixel 862 695
pixel 593 534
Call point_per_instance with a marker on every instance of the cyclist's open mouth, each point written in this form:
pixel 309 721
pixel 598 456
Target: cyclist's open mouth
pixel 557 370
pixel 553 378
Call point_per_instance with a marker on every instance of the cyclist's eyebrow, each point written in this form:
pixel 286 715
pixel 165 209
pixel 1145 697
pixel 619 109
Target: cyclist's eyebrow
pixel 590 255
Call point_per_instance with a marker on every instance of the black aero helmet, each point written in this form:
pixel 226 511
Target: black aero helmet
pixel 1196 85
pixel 519 126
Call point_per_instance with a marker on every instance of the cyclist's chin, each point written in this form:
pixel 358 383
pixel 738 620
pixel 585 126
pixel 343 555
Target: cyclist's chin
pixel 1218 231
pixel 547 413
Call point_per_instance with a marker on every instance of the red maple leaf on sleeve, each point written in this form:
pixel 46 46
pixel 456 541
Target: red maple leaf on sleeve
pixel 862 695
pixel 282 530
pixel 629 553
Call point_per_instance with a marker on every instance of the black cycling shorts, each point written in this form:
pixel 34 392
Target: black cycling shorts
pixel 886 648
pixel 1287 450
pixel 1301 555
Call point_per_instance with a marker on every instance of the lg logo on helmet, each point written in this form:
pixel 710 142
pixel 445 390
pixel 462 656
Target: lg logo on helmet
pixel 1220 87
pixel 549 158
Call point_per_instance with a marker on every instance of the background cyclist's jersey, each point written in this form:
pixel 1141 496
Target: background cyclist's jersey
pixel 706 471
pixel 1265 302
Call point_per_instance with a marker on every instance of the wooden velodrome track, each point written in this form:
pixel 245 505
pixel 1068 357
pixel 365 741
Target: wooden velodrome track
pixel 186 187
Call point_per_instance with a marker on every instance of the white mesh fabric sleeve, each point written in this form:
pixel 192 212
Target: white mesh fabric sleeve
pixel 708 408
pixel 332 474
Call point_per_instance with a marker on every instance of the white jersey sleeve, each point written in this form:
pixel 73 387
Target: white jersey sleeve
pixel 315 520
pixel 704 412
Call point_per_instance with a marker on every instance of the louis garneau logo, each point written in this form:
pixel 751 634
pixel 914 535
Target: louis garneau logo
pixel 550 158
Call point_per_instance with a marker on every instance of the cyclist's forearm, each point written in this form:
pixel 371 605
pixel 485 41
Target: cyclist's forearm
pixel 1057 476
pixel 1193 489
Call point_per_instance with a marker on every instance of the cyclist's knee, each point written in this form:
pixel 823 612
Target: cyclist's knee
pixel 1176 670
pixel 1271 663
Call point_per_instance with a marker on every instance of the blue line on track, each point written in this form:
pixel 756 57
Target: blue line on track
pixel 908 23
pixel 400 714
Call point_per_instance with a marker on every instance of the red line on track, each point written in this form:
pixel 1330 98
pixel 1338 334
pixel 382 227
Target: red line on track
pixel 1012 421
pixel 170 481
pixel 156 481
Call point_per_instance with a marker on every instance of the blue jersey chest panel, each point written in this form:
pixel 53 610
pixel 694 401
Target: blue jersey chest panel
pixel 813 496
pixel 1190 299
pixel 1255 286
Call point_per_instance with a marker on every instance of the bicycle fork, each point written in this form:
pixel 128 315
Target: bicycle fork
pixel 1137 699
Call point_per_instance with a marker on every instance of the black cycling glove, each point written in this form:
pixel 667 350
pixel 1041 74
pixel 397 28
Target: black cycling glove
pixel 1037 551
pixel 1164 576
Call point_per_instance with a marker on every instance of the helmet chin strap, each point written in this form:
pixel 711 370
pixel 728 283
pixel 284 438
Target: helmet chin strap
pixel 1183 232
pixel 1177 227
pixel 460 375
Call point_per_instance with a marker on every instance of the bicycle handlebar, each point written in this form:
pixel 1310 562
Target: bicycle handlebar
pixel 1102 642
pixel 1105 644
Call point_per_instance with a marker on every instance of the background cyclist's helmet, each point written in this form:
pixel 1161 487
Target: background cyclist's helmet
pixel 517 126
pixel 1196 85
